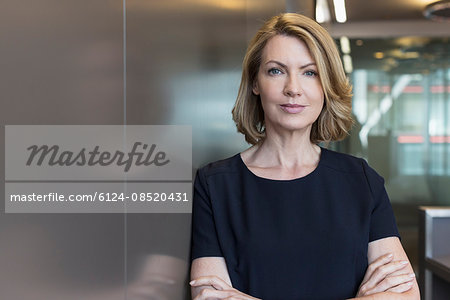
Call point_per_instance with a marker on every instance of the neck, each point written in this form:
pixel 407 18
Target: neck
pixel 288 148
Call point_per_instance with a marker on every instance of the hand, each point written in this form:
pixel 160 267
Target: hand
pixel 379 277
pixel 221 289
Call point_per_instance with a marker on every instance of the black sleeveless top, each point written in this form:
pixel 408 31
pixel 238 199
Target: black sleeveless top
pixel 305 238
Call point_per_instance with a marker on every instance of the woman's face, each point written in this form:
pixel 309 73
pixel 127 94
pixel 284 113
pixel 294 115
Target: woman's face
pixel 289 85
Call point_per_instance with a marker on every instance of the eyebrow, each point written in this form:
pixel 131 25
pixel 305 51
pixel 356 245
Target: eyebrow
pixel 284 66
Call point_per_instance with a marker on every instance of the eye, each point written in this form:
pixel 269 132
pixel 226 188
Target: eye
pixel 311 73
pixel 275 71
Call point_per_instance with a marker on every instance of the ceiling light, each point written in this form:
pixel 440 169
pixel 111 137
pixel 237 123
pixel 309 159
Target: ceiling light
pixel 322 11
pixel 378 55
pixel 339 11
pixel 438 11
pixel 345 45
pixel 411 55
pixel 400 54
pixel 348 66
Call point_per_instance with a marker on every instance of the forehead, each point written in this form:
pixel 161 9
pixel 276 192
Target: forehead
pixel 286 49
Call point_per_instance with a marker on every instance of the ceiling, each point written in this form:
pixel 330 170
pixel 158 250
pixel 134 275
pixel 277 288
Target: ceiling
pixel 395 28
pixel 392 35
pixel 366 10
pixel 379 10
pixel 401 55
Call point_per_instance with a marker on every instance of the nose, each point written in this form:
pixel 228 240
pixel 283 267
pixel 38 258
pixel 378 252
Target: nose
pixel 292 87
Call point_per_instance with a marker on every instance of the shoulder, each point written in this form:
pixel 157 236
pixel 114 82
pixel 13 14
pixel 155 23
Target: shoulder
pixel 342 162
pixel 223 166
pixel 346 163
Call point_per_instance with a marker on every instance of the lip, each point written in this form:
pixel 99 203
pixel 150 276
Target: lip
pixel 292 108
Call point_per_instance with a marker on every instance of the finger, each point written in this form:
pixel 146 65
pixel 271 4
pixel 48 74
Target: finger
pixel 401 288
pixel 214 281
pixel 385 270
pixel 391 282
pixel 207 294
pixel 381 272
pixel 382 260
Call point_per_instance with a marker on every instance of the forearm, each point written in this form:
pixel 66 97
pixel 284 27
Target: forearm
pixel 208 266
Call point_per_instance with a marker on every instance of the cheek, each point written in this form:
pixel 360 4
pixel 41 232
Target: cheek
pixel 269 89
pixel 318 94
pixel 322 100
pixel 320 105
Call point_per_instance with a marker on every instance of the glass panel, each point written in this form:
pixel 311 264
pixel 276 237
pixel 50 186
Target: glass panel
pixel 400 103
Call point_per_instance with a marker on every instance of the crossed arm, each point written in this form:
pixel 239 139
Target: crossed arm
pixel 387 277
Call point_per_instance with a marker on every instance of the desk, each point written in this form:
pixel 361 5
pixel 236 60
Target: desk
pixel 434 252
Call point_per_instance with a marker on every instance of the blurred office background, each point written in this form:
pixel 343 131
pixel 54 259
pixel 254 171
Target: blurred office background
pixel 179 62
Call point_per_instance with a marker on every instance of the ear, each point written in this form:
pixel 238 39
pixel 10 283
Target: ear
pixel 255 88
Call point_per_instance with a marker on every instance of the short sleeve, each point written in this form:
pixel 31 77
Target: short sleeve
pixel 204 235
pixel 382 219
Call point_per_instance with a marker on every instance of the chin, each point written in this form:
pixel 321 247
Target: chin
pixel 295 126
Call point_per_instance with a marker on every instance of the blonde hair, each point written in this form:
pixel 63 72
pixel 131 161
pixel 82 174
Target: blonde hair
pixel 335 118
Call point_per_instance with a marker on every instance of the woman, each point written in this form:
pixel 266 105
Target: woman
pixel 287 219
